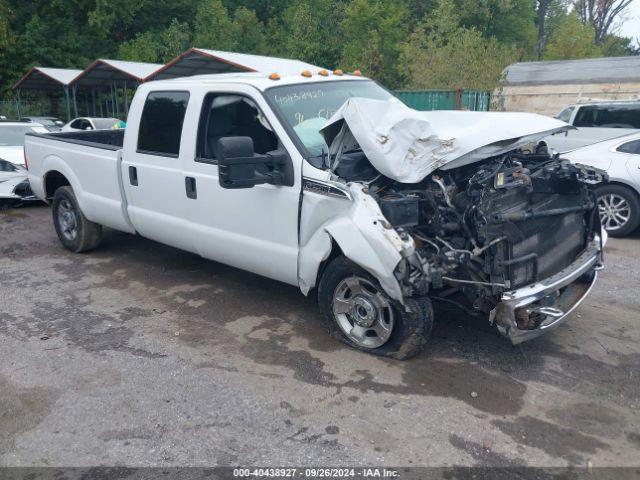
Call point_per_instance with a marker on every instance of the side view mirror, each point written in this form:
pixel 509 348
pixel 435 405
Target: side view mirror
pixel 240 167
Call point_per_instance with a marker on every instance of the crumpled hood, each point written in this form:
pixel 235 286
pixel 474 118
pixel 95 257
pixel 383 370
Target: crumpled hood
pixel 406 145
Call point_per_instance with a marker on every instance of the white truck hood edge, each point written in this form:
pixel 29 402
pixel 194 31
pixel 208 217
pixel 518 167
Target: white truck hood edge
pixel 406 145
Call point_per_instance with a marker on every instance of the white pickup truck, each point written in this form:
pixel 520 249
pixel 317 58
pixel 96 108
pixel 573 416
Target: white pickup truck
pixel 327 182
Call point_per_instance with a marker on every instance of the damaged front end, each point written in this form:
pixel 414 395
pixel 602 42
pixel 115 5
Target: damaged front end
pixel 516 237
pixel 493 226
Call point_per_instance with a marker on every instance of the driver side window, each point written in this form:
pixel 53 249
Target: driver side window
pixel 232 115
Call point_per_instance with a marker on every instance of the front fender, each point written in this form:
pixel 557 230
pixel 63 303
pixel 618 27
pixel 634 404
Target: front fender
pixel 364 237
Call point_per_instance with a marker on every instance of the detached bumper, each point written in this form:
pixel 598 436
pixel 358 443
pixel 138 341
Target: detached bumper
pixel 530 311
pixel 16 189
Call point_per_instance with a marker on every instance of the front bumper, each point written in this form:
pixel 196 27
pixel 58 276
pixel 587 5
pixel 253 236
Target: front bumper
pixel 545 305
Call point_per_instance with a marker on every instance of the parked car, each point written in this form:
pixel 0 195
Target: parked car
pixel 12 139
pixel 619 200
pixel 14 184
pixel 52 124
pixel 92 123
pixel 380 210
pixel 595 122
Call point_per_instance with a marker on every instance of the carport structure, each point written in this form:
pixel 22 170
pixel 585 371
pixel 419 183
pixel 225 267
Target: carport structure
pixel 105 85
pixel 47 80
pixel 198 61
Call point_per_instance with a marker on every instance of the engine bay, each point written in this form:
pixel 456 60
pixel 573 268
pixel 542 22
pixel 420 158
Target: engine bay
pixel 488 227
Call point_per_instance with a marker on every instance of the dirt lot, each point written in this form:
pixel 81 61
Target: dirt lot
pixel 140 354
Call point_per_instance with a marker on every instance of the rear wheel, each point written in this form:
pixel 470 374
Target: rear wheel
pixel 619 209
pixel 75 232
pixel 360 314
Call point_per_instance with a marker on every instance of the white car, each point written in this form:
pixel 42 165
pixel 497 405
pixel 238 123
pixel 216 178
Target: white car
pixel 92 123
pixel 14 185
pixel 619 200
pixel 12 139
pixel 595 122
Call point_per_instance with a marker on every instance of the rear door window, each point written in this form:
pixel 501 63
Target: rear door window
pixel 161 123
pixel 609 116
pixel 630 147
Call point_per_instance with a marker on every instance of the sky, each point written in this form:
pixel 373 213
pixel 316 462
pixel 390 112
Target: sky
pixel 630 27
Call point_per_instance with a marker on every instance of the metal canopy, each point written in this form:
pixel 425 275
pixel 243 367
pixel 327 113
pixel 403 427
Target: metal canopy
pixel 592 70
pixel 198 61
pixel 104 72
pixel 41 78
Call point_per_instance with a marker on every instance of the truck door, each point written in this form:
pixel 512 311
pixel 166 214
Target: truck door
pixel 152 172
pixel 256 228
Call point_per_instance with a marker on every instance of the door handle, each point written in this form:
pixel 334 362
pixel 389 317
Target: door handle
pixel 133 176
pixel 190 187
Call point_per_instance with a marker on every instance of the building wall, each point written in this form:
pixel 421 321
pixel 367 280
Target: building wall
pixel 550 99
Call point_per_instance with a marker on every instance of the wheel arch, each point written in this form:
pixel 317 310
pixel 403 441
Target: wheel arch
pixel 342 237
pixel 53 180
pixel 623 183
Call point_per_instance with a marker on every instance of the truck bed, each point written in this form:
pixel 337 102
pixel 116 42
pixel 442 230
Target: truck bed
pixel 88 161
pixel 107 139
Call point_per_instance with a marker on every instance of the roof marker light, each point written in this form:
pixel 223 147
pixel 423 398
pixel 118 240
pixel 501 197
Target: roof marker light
pixel 357 73
pixel 338 72
pixel 274 76
pixel 306 73
pixel 324 73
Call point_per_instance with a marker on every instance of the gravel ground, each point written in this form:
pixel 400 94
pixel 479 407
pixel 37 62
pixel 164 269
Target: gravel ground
pixel 138 354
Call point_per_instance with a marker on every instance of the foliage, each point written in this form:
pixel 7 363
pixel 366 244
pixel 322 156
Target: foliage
pixel 572 39
pixel 373 30
pixel 401 43
pixel 213 27
pixel 441 53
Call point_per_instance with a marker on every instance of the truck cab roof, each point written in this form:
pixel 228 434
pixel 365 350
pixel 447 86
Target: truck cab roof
pixel 259 80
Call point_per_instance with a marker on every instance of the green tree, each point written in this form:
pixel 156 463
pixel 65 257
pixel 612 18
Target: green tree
pixel 248 32
pixel 509 21
pixel 175 40
pixel 572 39
pixel 213 27
pixel 440 53
pixel 144 48
pixel 309 31
pixel 372 31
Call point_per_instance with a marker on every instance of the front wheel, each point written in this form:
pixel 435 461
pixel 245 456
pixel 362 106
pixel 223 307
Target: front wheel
pixel 360 314
pixel 619 209
pixel 74 230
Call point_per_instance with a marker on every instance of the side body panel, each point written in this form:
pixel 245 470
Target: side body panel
pixel 92 172
pixel 356 225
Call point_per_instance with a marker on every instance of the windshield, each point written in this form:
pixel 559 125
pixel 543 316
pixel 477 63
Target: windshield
pixel 13 135
pixel 306 108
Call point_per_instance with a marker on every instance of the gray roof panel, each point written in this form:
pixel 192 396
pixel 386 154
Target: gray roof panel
pixel 591 70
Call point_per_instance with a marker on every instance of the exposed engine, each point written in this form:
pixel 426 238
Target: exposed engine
pixel 490 226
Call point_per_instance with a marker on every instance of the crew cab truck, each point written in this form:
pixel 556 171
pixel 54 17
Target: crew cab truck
pixel 327 182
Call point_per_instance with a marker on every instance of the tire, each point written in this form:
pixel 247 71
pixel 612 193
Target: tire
pixel 351 299
pixel 75 232
pixel 616 203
